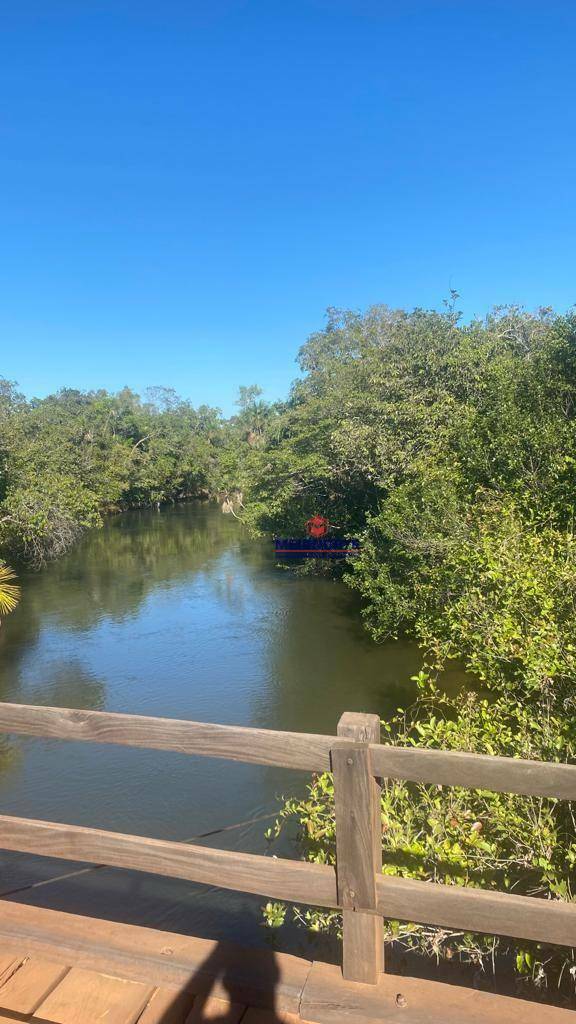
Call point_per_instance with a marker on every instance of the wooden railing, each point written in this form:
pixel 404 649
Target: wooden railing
pixel 356 885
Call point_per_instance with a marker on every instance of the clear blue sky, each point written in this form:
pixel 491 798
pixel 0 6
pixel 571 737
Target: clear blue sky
pixel 186 186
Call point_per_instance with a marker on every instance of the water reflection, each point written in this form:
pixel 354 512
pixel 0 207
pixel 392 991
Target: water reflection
pixel 111 572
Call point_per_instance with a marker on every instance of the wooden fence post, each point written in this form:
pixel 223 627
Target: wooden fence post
pixel 358 846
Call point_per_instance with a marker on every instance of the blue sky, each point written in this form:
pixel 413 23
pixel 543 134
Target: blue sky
pixel 185 187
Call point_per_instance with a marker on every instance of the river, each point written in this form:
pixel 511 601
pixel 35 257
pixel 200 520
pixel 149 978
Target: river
pixel 180 614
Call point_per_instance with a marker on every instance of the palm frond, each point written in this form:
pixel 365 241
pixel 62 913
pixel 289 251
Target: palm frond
pixel 9 591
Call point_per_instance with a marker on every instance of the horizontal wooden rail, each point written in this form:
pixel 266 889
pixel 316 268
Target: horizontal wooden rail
pixel 475 910
pixel 236 743
pixel 277 878
pixel 475 771
pixel 306 751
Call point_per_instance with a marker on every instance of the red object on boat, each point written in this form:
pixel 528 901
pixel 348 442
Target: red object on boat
pixel 317 526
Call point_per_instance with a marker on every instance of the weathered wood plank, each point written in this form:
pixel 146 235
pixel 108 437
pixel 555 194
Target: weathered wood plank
pixel 237 743
pixel 358 847
pixel 328 999
pixel 166 1007
pixel 306 751
pixel 211 1008
pixel 84 997
pixel 9 962
pixel 9 1018
pixel 266 876
pixel 477 910
pixel 355 867
pixel 475 771
pixel 253 977
pixel 30 984
pixel 253 1016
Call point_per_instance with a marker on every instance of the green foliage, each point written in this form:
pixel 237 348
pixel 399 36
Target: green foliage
pixel 274 914
pixel 463 837
pixel 9 590
pixel 449 449
pixel 47 516
pixel 70 458
pixel 507 608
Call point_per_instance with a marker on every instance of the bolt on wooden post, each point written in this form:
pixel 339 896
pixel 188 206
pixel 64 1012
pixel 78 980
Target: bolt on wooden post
pixel 358 846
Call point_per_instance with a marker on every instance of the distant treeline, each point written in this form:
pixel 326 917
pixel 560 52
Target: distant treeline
pixel 68 459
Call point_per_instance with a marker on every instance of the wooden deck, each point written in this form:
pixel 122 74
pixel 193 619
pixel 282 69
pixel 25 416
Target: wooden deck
pixel 36 990
pixel 58 968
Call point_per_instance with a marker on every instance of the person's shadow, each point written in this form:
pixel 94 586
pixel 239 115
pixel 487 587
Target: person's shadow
pixel 231 979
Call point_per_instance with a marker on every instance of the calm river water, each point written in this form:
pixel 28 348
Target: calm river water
pixel 176 614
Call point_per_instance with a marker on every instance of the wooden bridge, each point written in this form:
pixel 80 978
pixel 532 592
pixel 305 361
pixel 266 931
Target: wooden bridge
pixel 58 968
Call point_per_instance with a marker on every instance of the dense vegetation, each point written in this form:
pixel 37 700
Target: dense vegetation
pixel 70 458
pixel 449 449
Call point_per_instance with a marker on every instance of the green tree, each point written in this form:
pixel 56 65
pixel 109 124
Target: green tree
pixel 449 448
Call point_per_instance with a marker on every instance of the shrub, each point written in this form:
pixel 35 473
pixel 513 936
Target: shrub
pixel 505 842
pixel 41 521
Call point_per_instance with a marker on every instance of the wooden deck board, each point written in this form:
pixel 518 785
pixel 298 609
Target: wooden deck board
pixel 167 1006
pixel 84 997
pixel 219 1011
pixel 30 984
pixel 328 999
pixel 9 962
pixel 253 1016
